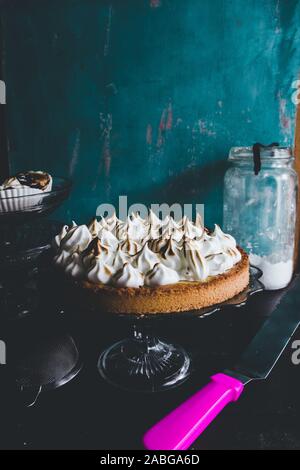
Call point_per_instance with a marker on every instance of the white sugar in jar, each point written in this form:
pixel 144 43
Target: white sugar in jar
pixel 260 209
pixel 275 275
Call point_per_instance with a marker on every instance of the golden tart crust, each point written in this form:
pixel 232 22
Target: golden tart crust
pixel 180 297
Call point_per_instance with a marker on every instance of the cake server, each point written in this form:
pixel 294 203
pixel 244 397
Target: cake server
pixel 179 429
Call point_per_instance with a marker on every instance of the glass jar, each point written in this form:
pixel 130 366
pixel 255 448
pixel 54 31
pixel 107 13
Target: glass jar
pixel 260 209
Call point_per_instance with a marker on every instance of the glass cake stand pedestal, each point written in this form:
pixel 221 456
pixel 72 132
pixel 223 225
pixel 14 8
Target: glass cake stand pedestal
pixel 144 362
pixel 147 363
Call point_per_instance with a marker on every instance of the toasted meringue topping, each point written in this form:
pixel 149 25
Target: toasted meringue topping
pixel 119 259
pixel 77 238
pixel 235 254
pixel 74 266
pixel 218 264
pixel 144 252
pixel 199 222
pixel 153 233
pixel 58 238
pixel 99 272
pixel 107 238
pixel 195 261
pixel 96 250
pixel 136 229
pixel 145 259
pixel 172 255
pixel 130 246
pixel 128 276
pixel 153 220
pixel 94 227
pixel 190 230
pixel 226 240
pixel 172 229
pixel 171 224
pixel 38 180
pixel 112 222
pixel 158 244
pixel 11 183
pixel 209 245
pixel 136 216
pixel 62 258
pixel 102 222
pixel 161 275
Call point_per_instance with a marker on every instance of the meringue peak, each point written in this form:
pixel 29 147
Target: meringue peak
pixel 145 259
pixel 77 238
pixel 96 248
pixel 94 227
pixel 108 238
pixel 130 246
pixel 128 276
pixel 99 272
pixel 153 220
pixel 161 275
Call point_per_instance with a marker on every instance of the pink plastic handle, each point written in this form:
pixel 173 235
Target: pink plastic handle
pixel 179 429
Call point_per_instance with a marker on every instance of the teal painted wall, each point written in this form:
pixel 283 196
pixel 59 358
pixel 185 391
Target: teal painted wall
pixel 145 97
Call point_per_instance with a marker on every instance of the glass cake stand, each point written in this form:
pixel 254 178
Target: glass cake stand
pixel 17 209
pixel 146 363
pixel 25 234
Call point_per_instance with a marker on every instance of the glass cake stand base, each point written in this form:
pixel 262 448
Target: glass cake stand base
pixel 144 363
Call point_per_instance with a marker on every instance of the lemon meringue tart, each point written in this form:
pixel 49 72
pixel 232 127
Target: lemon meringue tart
pixel 144 266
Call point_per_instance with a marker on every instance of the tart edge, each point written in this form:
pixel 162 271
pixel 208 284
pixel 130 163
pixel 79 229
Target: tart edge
pixel 179 297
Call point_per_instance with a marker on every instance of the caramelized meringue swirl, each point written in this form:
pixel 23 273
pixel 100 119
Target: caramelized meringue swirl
pixel 144 252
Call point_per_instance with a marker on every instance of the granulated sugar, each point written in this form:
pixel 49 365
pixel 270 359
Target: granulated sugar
pixel 275 275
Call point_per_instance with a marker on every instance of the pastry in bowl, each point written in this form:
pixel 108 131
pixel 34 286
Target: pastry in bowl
pixel 17 192
pixel 145 266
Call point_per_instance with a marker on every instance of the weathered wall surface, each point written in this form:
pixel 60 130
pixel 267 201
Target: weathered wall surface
pixel 145 97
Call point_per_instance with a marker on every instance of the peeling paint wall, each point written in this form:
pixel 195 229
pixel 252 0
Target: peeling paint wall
pixel 145 97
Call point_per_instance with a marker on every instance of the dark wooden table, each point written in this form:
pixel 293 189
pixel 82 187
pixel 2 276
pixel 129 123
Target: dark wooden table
pixel 88 413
